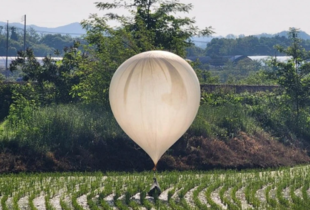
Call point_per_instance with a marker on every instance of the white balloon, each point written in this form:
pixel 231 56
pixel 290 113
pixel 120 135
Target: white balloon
pixel 155 97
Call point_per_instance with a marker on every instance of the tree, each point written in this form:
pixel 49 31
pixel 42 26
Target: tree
pixel 294 75
pixel 2 77
pixel 14 35
pixel 53 77
pixel 56 41
pixel 152 25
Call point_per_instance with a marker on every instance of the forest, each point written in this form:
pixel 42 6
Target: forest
pixel 59 118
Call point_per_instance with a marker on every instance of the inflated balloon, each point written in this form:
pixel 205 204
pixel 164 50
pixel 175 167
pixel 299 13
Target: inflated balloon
pixel 155 97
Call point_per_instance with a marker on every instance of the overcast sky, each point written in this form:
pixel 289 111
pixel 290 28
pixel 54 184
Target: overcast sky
pixel 225 16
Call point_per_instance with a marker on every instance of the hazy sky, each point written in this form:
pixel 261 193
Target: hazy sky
pixel 225 16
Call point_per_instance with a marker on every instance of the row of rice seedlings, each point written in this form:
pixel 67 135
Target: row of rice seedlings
pixel 272 202
pixel 250 191
pixel 94 191
pixel 108 190
pixel 181 194
pixel 233 192
pixel 204 183
pixel 281 186
pixel 48 205
pixel 216 184
pixel 229 182
pixel 3 202
pixel 126 185
pixel 64 205
pixel 83 189
pixel 144 202
pixel 305 193
pixel 16 198
pixel 298 203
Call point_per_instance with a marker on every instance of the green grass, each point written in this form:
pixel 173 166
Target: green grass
pixel 2 127
pixel 61 126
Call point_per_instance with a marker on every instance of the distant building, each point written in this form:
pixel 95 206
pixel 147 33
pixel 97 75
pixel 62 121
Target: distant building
pixel 262 58
pixel 218 61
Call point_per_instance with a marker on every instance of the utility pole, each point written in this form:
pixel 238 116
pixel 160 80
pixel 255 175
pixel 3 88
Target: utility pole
pixel 25 33
pixel 7 45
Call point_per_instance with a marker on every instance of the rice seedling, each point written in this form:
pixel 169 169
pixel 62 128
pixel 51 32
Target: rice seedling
pixel 286 188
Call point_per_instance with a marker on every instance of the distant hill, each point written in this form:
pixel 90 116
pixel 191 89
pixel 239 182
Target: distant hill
pixel 75 29
pixel 72 28
pixel 302 35
pixel 202 41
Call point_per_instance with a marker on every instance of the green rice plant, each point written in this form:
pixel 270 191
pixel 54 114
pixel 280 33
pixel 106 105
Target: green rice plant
pixel 83 190
pixel 227 185
pixel 104 193
pixel 297 201
pixel 233 194
pixel 142 197
pixel 305 194
pixel 48 204
pixel 117 194
pixel 30 201
pixel 197 202
pixel 133 205
pixel 120 205
pixel 173 205
pixel 144 202
pixel 170 194
pixel 15 201
pixel 271 201
pixel 3 202
pixel 250 191
pixel 64 205
pixel 92 205
pixel 105 205
pixel 283 182
pixel 284 202
pixel 184 204
pixel 210 189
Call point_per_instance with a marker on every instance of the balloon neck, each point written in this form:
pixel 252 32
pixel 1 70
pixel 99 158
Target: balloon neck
pixel 154 169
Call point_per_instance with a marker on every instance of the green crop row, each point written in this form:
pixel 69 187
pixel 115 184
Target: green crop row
pixel 285 188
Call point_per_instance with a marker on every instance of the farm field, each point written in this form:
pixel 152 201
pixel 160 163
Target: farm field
pixel 286 188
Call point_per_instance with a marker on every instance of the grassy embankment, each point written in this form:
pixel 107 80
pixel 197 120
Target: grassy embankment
pixel 230 131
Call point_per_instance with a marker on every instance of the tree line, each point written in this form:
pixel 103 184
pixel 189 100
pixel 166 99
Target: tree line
pixel 250 46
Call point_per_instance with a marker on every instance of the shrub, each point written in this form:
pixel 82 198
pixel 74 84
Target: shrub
pixel 63 127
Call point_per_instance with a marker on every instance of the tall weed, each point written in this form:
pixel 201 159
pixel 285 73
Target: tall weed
pixel 64 127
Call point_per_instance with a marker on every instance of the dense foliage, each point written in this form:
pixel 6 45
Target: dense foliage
pixel 250 45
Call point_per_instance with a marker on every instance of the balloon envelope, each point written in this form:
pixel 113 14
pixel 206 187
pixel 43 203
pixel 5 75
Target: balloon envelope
pixel 155 97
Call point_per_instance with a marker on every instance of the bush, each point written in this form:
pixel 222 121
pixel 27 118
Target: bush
pixel 5 99
pixel 63 127
pixel 223 116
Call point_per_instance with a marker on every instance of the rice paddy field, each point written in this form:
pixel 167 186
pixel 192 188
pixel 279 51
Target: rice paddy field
pixel 286 188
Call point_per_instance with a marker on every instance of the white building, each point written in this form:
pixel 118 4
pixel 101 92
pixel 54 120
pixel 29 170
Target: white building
pixel 10 59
